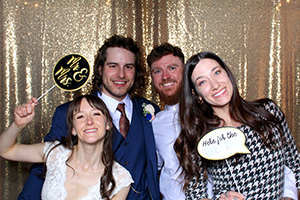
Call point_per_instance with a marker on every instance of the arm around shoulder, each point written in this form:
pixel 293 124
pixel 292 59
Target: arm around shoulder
pixel 59 126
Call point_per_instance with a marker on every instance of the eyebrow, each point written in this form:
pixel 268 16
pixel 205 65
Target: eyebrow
pixel 213 69
pixel 160 67
pixel 115 63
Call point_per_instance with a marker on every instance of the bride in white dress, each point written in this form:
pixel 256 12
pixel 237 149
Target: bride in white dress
pixel 80 167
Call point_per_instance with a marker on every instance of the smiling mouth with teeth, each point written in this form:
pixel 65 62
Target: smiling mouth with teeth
pixel 221 92
pixel 119 82
pixel 91 130
pixel 168 84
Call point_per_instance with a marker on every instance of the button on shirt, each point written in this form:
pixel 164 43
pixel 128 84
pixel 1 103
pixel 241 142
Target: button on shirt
pixel 166 128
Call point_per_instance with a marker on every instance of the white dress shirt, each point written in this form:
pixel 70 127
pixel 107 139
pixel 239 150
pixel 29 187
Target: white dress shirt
pixel 290 189
pixel 112 105
pixel 166 128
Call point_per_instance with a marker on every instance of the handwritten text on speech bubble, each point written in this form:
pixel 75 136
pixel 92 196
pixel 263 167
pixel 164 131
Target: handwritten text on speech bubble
pixel 222 143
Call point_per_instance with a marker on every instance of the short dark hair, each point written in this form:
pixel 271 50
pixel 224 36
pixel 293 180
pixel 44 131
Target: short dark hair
pixel 162 50
pixel 129 44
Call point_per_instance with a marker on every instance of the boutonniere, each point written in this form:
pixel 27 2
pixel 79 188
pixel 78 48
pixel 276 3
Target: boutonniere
pixel 148 111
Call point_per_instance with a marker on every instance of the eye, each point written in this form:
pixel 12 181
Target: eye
pixel 97 113
pixel 172 68
pixel 201 83
pixel 157 71
pixel 112 66
pixel 218 72
pixel 79 116
pixel 129 67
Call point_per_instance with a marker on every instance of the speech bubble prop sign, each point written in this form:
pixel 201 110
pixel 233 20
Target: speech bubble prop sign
pixel 222 143
pixel 71 72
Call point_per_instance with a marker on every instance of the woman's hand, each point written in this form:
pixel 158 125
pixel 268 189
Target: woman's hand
pixel 11 150
pixel 231 195
pixel 25 113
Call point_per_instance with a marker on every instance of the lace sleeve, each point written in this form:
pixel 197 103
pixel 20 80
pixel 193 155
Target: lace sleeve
pixel 122 177
pixel 49 146
pixel 56 171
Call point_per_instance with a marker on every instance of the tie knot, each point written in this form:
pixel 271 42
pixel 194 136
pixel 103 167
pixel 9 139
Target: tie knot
pixel 121 107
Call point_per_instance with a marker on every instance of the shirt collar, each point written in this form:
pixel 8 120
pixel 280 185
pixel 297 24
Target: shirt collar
pixel 112 103
pixel 172 107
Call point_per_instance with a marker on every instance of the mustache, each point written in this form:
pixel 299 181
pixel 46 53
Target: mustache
pixel 167 81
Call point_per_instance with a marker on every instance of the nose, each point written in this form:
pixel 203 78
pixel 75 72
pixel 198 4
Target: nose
pixel 89 120
pixel 165 75
pixel 214 84
pixel 121 72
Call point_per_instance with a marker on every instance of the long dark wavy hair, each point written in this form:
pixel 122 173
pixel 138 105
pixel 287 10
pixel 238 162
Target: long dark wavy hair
pixel 107 180
pixel 197 119
pixel 126 43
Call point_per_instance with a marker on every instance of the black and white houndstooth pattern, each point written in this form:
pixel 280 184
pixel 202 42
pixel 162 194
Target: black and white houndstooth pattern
pixel 259 175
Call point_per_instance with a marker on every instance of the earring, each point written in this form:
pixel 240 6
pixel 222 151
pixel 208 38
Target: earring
pixel 200 101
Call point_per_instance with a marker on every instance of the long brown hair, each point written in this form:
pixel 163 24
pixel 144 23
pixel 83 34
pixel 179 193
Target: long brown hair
pixel 198 119
pixel 107 182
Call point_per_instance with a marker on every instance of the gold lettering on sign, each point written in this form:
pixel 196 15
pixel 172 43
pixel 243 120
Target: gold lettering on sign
pixel 66 81
pixel 62 75
pixel 84 70
pixel 65 78
pixel 75 63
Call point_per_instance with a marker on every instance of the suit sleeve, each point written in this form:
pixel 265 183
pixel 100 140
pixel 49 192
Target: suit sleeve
pixel 33 186
pixel 59 127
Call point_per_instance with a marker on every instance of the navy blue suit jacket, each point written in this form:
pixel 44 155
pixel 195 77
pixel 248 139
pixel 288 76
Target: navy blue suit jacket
pixel 129 152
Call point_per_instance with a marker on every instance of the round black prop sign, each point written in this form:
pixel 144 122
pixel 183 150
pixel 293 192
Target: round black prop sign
pixel 71 72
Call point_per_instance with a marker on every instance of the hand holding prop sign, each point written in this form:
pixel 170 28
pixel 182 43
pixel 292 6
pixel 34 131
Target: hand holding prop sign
pixel 221 143
pixel 70 73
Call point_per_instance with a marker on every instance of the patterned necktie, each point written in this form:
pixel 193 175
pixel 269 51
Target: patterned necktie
pixel 124 122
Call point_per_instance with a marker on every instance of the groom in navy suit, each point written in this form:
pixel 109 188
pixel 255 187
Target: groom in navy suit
pixel 118 78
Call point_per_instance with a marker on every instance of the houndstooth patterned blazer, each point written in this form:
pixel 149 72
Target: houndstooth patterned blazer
pixel 259 175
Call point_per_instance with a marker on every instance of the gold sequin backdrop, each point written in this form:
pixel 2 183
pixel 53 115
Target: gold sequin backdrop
pixel 258 39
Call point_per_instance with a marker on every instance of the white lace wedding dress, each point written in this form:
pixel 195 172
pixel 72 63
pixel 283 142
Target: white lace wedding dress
pixel 53 187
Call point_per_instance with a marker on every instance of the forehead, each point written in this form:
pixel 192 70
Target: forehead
pixel 204 68
pixel 117 54
pixel 84 105
pixel 167 60
pixel 206 64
